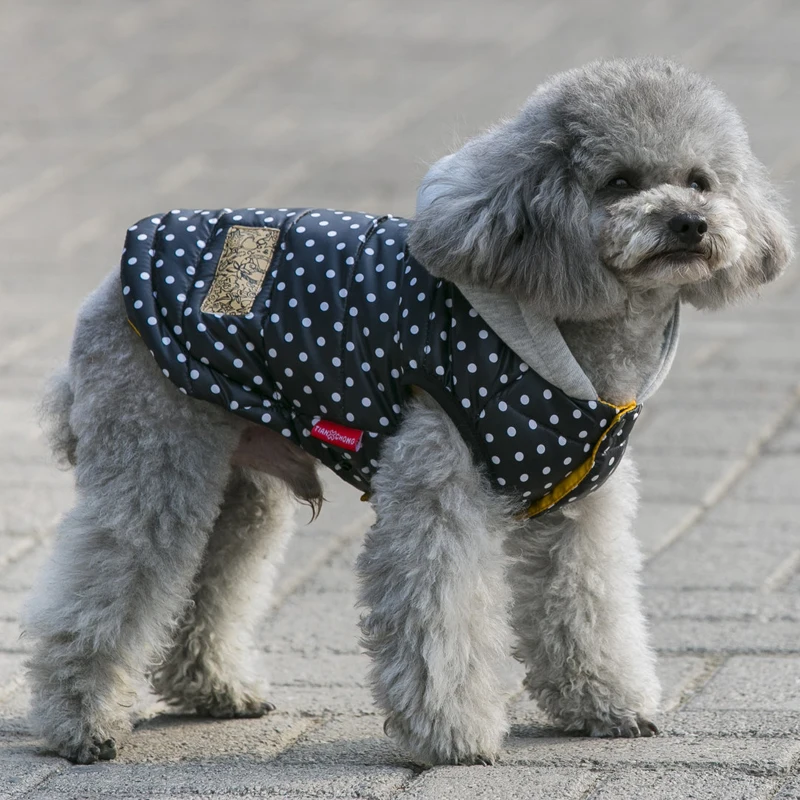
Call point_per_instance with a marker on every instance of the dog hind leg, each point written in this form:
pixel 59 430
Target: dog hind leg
pixel 205 667
pixel 432 572
pixel 151 469
pixel 581 632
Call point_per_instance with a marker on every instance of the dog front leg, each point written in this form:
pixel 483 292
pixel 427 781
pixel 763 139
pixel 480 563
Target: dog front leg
pixel 432 573
pixel 577 615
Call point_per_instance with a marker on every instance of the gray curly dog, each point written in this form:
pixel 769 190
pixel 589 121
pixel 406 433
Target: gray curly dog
pixel 619 190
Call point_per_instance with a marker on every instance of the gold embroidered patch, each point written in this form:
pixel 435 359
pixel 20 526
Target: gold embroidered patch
pixel 243 265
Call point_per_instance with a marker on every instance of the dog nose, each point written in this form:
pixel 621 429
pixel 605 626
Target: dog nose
pixel 688 227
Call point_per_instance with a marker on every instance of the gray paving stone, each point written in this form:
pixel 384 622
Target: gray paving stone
pixel 721 557
pixel 733 513
pixel 346 740
pixel 225 776
pixel 319 670
pixel 657 521
pixel 670 784
pixel 10 667
pixel 20 772
pixel 731 722
pixel 673 478
pixel 10 638
pixel 310 622
pixel 172 737
pixel 705 430
pixel 716 604
pixel 754 756
pixel 752 682
pixel 679 675
pixel 772 479
pixel 509 783
pixel 317 701
pixel 725 636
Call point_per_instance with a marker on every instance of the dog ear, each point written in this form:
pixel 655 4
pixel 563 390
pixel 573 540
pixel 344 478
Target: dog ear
pixel 506 212
pixel 768 249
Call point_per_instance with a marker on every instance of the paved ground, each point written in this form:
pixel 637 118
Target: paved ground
pixel 113 110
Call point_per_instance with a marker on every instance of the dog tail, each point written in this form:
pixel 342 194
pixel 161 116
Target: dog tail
pixel 54 411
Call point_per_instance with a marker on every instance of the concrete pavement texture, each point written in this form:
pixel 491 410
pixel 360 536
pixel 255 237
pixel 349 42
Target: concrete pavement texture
pixel 113 110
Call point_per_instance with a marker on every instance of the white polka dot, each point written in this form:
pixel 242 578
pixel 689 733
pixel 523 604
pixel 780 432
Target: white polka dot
pixel 583 434
pixel 383 421
pixel 319 377
pixel 493 358
pixel 576 413
pixel 258 380
pixel 546 471
pixel 519 456
pixel 554 419
pixel 465 402
pixel 137 303
pixel 214 388
pixel 540 449
pixel 547 394
pixel 165 340
pixel 567 461
pixel 603 423
pixel 366 402
pixel 151 320
pixel 194 374
pixel 592 404
pixel 145 276
pixel 288 337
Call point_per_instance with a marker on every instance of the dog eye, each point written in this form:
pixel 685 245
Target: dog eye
pixel 699 183
pixel 619 183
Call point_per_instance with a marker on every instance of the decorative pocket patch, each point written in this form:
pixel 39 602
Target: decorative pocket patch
pixel 243 265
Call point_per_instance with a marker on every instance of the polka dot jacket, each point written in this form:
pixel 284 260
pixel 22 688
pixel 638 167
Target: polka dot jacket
pixel 318 323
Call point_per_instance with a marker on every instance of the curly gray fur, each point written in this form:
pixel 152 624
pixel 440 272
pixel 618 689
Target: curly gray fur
pixel 571 206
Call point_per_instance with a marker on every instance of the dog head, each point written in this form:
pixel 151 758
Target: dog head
pixel 614 179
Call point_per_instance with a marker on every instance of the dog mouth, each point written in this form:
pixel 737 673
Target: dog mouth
pixel 677 257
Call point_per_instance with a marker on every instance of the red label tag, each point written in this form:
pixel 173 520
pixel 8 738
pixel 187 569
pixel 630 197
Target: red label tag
pixel 338 435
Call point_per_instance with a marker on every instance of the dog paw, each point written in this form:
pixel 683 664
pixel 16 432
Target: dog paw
pixel 623 728
pixel 234 706
pixel 444 745
pixel 91 751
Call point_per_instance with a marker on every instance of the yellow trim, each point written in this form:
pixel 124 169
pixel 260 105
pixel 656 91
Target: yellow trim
pixel 574 479
pixel 134 329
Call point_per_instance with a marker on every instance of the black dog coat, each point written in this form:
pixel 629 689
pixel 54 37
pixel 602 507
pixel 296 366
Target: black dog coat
pixel 318 323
